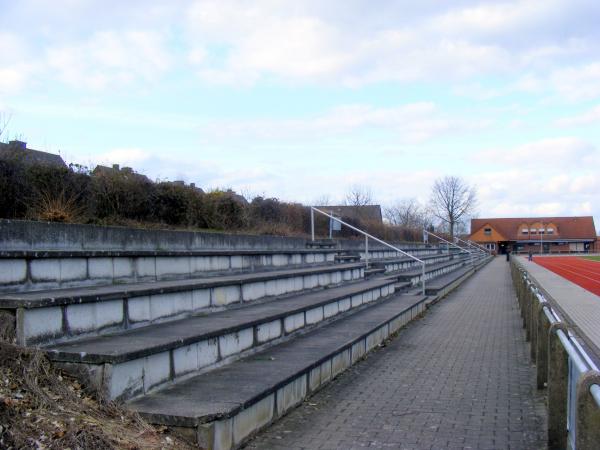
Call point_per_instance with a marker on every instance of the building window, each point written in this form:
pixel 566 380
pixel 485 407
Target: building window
pixel 490 246
pixel 550 230
pixel 525 231
pixel 487 231
pixel 541 231
pixel 533 231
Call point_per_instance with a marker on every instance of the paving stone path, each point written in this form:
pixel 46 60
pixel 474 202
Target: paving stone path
pixel 460 378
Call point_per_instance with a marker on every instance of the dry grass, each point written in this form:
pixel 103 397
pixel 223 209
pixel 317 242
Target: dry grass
pixel 60 208
pixel 43 408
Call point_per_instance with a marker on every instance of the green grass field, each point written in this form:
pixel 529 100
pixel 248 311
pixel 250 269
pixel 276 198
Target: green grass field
pixel 593 258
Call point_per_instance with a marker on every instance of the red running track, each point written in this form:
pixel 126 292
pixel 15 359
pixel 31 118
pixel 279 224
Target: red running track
pixel 583 272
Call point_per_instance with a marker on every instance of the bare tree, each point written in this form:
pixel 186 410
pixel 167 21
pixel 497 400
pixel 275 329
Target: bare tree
pixel 407 213
pixel 323 200
pixel 359 195
pixel 4 121
pixel 452 199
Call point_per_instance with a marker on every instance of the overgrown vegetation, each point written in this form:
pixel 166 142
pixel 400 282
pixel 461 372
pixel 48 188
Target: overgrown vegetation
pixel 125 197
pixel 43 408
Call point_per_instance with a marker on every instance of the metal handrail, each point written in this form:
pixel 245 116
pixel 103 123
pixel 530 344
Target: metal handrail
pixel 571 345
pixel 481 247
pixel 470 244
pixel 367 236
pixel 453 244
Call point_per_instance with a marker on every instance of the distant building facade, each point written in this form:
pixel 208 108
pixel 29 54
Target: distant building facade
pixel 18 151
pixel 536 234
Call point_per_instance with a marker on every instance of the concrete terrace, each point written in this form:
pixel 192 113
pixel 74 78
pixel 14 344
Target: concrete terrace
pixel 458 378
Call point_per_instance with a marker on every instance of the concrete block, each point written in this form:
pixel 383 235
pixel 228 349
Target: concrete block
pixel 319 257
pixel 185 359
pixel 225 295
pixel 340 362
pixel 217 435
pixel 123 268
pixel 219 263
pixel 145 267
pixel 200 299
pixel 87 317
pixel 291 394
pixel 284 285
pixel 253 418
pixel 233 343
pixel 208 352
pixel 169 266
pixel 296 259
pixel 314 379
pixel 358 350
pixel 41 324
pixel 324 279
pixel 314 315
pixel 236 262
pixel 280 260
pixel 13 271
pixel 298 283
pixel 271 287
pixel 330 310
pixel 100 268
pixel 199 264
pixel 138 309
pixel 268 331
pixel 347 275
pixel 247 262
pixel 293 322
pixel 253 291
pixel 357 300
pixel 157 370
pixel 311 281
pixel 45 270
pixel 310 258
pixel 73 269
pixel 325 372
pixel 171 304
pixel 126 379
pixel 344 304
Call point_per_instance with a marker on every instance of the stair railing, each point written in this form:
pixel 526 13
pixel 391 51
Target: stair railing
pixel 489 252
pixel 452 244
pixel 367 237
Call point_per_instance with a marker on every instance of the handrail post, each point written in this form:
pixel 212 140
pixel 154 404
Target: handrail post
pixel 423 278
pixel 312 223
pixel 366 251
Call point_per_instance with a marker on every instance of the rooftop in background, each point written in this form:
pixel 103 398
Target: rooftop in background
pixel 513 229
pixel 371 213
pixel 18 150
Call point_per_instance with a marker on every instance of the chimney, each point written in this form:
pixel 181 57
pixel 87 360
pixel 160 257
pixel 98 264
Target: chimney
pixel 18 144
pixel 115 167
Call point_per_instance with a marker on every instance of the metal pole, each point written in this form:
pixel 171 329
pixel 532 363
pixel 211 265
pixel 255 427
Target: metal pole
pixel 366 251
pixel 312 223
pixel 423 279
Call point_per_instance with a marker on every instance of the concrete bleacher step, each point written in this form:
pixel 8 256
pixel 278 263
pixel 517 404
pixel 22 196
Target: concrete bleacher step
pixel 222 408
pixel 44 317
pixel 443 284
pixel 133 362
pixel 374 271
pixel 404 262
pixel 415 274
pixel 35 270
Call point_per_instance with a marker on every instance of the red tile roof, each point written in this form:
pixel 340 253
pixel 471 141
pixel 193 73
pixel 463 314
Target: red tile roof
pixel 568 227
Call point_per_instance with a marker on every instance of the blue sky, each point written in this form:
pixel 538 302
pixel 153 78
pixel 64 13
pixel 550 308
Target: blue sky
pixel 301 100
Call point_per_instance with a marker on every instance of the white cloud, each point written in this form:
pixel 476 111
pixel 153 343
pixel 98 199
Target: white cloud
pixel 110 58
pixel 410 123
pixel 552 152
pixel 589 117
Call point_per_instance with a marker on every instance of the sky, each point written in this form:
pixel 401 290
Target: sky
pixel 303 100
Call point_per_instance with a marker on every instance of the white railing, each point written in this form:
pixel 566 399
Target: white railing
pixel 452 244
pixel 367 237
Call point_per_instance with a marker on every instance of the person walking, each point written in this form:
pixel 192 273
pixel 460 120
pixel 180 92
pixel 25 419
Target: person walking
pixel 530 256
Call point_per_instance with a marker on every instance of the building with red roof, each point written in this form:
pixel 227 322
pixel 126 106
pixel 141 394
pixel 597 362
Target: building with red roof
pixel 536 234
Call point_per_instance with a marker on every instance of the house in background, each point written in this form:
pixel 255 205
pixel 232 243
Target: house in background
pixel 18 151
pixel 538 234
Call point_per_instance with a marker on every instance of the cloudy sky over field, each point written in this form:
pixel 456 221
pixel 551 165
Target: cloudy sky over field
pixel 303 99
